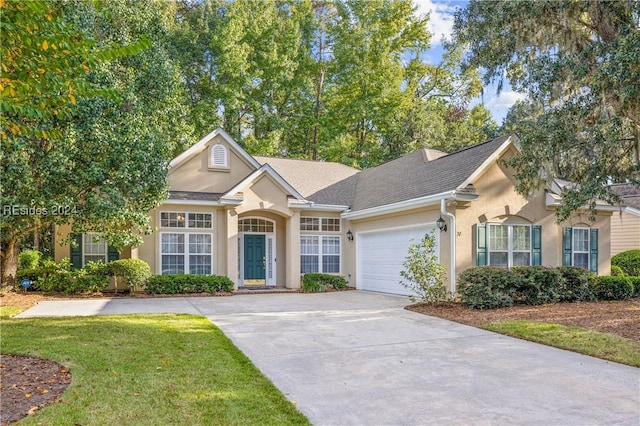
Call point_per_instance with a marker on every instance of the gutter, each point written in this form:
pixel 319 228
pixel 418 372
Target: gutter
pixel 452 233
pixel 400 206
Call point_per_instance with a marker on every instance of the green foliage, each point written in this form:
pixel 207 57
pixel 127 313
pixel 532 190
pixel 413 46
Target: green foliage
pixel 59 277
pixel 613 288
pixel 577 63
pixel 635 281
pixel 486 287
pixel 134 272
pixel 628 261
pixel 422 272
pixel 489 287
pixel 316 282
pixel 29 259
pixel 617 271
pixel 576 285
pixel 536 285
pixel 183 283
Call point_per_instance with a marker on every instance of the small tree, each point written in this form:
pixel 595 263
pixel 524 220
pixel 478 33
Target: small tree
pixel 422 273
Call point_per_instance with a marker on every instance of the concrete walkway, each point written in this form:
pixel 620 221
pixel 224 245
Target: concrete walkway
pixel 355 358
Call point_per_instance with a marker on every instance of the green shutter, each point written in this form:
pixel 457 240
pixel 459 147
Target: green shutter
pixel 593 255
pixel 567 241
pixel 536 246
pixel 112 254
pixel 481 244
pixel 76 251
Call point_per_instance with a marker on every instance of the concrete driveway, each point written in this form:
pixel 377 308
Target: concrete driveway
pixel 355 358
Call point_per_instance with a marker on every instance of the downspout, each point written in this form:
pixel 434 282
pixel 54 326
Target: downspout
pixel 452 233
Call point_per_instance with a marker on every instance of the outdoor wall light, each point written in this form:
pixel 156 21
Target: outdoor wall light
pixel 441 225
pixel 349 235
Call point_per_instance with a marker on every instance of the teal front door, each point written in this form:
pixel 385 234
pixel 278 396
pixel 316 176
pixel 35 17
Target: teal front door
pixel 254 259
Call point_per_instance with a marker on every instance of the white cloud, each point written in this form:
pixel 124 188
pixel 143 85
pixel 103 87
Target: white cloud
pixel 504 99
pixel 441 18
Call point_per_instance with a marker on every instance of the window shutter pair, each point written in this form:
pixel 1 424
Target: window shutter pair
pixel 482 245
pixel 567 248
pixel 76 252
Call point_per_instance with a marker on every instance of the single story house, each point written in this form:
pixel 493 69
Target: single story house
pixel 267 221
pixel 625 223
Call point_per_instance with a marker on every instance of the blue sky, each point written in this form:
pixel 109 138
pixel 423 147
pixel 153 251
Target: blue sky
pixel 441 25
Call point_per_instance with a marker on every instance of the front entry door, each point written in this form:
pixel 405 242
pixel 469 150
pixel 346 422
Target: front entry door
pixel 255 263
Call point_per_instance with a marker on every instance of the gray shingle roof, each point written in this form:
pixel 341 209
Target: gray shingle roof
pixel 317 181
pixel 629 193
pixel 415 175
pixel 410 177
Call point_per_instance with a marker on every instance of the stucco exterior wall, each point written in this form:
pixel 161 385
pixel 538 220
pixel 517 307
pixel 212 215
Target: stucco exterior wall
pixel 195 174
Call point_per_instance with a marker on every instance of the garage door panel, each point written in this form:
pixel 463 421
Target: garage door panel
pixel 380 258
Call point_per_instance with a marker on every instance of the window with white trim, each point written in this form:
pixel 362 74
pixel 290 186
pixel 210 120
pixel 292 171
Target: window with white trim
pixel 218 157
pixel 325 224
pixel 581 245
pixel 94 248
pixel 186 220
pixel 186 253
pixel 320 253
pixel 509 245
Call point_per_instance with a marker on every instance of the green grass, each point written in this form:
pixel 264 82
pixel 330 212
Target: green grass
pixel 148 370
pixel 7 312
pixel 576 339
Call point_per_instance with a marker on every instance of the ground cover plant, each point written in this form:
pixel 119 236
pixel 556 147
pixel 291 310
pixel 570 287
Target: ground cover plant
pixel 145 369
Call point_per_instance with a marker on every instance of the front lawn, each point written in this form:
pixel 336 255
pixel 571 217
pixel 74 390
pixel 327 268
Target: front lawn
pixel 148 370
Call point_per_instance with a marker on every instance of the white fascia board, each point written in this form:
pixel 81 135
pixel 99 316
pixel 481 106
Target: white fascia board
pixel 631 210
pixel 490 160
pixel 192 202
pixel 552 200
pixel 326 207
pixel 400 206
pixel 200 145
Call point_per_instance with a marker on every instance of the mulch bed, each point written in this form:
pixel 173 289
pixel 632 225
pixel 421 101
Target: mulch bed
pixel 621 318
pixel 27 384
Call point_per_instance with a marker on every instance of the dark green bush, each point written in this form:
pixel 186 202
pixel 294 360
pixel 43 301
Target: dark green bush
pixel 58 277
pixel 536 285
pixel 182 283
pixel 133 272
pixel 612 288
pixel 635 281
pixel 486 287
pixel 315 283
pixel 29 259
pixel 576 284
pixel 628 261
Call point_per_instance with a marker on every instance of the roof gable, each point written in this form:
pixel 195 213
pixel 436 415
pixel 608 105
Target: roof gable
pixel 201 145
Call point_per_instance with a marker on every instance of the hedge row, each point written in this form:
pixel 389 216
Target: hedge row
pixel 316 283
pixel 628 262
pixel 489 287
pixel 182 283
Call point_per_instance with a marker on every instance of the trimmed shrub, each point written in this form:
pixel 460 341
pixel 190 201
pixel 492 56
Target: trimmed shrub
pixel 536 285
pixel 612 288
pixel 133 272
pixel 576 284
pixel 58 277
pixel 29 259
pixel 628 261
pixel 635 281
pixel 183 283
pixel 486 287
pixel 316 283
pixel 617 271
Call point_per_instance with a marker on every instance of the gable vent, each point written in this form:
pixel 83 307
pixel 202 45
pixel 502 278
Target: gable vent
pixel 218 156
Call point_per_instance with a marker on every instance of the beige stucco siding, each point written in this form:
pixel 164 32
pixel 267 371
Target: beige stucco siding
pixel 625 232
pixel 195 174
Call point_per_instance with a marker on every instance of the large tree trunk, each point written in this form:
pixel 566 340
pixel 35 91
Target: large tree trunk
pixel 9 263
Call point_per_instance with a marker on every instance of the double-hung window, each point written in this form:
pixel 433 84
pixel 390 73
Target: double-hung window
pixel 320 251
pixel 508 245
pixel 580 248
pixel 187 248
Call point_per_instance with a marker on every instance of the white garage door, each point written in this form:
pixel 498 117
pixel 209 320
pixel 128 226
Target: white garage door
pixel 380 257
